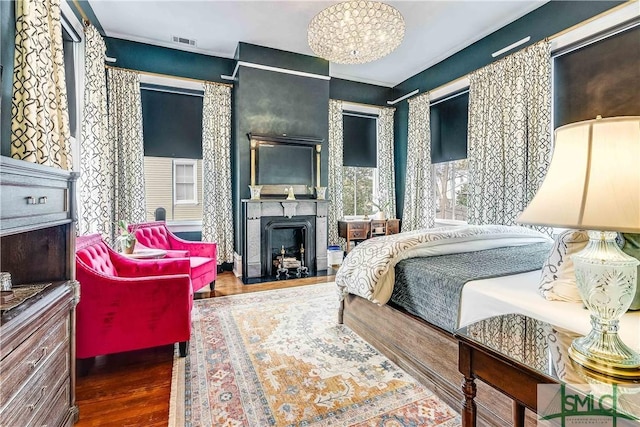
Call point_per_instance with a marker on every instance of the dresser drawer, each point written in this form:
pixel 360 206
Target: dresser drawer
pixel 57 409
pixel 30 355
pixel 31 201
pixel 32 195
pixel 37 395
pixel 358 226
pixel 357 234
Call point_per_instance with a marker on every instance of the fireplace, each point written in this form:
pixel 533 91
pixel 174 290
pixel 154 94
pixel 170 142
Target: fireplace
pixel 270 225
pixel 295 237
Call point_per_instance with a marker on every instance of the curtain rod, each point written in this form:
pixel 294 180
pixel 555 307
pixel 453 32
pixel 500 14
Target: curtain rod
pixel 85 20
pixel 149 73
pixel 361 103
pixel 593 18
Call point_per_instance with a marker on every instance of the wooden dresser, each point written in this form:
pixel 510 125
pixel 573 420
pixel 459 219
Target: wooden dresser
pixel 37 336
pixel 358 230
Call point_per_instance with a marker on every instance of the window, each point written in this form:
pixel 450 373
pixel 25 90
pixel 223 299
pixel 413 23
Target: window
pixel 168 115
pixel 451 189
pixel 73 57
pixel 185 182
pixel 358 190
pixel 360 147
pixel 172 131
pixel 584 86
pixel 449 123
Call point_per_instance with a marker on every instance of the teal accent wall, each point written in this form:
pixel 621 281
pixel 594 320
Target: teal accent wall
pixel 275 103
pixel 547 20
pixel 255 54
pixel 7 48
pixel 362 93
pixel 162 60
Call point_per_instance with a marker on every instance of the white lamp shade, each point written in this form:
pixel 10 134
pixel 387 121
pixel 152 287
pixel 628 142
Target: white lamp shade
pixel 593 182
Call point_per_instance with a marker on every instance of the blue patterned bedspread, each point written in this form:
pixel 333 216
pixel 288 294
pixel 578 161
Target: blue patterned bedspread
pixel 431 287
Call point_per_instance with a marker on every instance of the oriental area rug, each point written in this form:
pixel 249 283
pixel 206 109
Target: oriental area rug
pixel 279 358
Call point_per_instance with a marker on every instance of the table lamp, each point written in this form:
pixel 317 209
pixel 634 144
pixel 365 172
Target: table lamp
pixel 593 183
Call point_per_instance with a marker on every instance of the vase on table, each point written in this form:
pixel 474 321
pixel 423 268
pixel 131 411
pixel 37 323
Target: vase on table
pixel 321 193
pixel 255 191
pixel 128 247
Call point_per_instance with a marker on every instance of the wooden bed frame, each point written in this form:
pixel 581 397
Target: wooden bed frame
pixel 426 352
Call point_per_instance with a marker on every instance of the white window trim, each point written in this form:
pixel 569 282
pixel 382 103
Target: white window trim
pixel 186 162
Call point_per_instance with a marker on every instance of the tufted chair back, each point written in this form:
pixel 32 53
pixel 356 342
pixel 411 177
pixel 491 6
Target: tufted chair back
pixel 93 252
pixel 153 235
pixel 202 255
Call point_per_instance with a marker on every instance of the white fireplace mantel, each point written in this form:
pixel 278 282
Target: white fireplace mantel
pixel 255 210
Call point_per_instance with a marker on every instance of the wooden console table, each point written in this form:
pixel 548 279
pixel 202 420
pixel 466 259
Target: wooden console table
pixel 514 353
pixel 359 230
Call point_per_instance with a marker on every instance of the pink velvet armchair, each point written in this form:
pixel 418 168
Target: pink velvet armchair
pixel 202 255
pixel 128 304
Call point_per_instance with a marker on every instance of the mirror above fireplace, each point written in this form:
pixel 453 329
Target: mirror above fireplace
pixel 279 162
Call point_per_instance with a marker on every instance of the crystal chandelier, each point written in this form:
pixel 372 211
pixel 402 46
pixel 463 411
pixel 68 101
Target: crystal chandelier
pixel 355 32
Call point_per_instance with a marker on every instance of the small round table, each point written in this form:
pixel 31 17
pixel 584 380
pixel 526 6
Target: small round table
pixel 147 254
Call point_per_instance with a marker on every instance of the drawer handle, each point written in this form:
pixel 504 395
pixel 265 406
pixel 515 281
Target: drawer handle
pixel 42 200
pixel 31 200
pixel 34 363
pixel 33 405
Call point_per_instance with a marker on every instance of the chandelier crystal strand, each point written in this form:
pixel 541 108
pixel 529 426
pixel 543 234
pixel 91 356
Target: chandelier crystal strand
pixel 356 32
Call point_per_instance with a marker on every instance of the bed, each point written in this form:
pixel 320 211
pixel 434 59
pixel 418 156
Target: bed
pixel 374 307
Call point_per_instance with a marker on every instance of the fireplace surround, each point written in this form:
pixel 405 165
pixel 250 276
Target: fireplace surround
pixel 262 217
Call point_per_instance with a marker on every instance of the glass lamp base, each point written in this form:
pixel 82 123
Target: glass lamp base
pixel 606 279
pixel 603 351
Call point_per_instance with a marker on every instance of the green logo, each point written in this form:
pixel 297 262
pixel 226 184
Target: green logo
pixel 580 405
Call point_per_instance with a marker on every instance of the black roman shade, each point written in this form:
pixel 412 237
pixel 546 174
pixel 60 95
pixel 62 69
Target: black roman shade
pixel 172 124
pixel 449 122
pixel 601 78
pixel 360 140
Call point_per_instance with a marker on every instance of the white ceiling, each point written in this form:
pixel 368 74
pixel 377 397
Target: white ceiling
pixel 434 29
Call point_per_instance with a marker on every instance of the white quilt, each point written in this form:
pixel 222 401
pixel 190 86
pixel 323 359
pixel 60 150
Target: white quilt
pixel 368 270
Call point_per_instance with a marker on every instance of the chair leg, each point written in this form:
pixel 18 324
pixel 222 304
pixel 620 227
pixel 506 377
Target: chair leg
pixel 212 286
pixel 83 366
pixel 183 348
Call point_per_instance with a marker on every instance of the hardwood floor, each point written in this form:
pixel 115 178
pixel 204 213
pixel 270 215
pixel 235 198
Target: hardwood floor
pixel 132 388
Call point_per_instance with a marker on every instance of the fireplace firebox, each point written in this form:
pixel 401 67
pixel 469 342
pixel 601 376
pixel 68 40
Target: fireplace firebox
pixel 292 237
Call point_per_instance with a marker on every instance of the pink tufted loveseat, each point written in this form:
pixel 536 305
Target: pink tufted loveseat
pixel 202 255
pixel 128 304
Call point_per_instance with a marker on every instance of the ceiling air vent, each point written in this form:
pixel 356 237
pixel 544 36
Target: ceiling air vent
pixel 183 40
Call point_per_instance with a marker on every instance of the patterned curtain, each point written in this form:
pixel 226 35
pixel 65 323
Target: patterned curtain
pixel 419 210
pixel 509 134
pixel 125 134
pixel 335 171
pixel 39 110
pixel 217 220
pixel 386 171
pixel 97 163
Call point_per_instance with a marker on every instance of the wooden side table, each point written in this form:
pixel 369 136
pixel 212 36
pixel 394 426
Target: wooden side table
pixel 359 230
pixel 384 227
pixel 356 231
pixel 514 353
pixel 147 254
